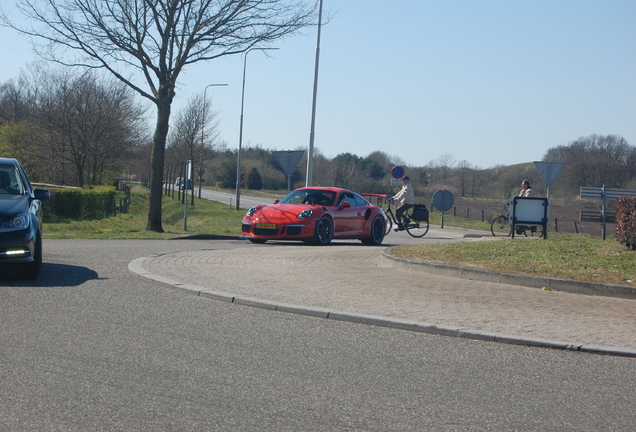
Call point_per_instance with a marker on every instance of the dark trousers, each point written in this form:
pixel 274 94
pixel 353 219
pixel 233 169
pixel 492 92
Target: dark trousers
pixel 399 213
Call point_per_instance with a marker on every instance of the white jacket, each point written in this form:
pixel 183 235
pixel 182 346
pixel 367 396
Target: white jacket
pixel 406 195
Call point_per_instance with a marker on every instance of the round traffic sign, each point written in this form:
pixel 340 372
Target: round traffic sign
pixel 397 172
pixel 443 200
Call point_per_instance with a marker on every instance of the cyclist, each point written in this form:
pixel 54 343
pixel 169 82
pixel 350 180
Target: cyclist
pixel 406 198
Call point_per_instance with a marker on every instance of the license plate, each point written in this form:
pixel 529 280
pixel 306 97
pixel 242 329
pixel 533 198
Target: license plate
pixel 266 226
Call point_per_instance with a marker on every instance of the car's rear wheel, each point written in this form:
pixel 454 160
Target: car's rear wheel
pixel 324 231
pixel 376 236
pixel 32 270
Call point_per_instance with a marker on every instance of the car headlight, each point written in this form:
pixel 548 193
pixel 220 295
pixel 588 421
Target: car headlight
pixel 305 214
pixel 17 222
pixel 250 211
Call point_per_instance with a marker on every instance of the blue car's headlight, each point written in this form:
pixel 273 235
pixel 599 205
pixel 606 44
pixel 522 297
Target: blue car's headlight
pixel 17 222
pixel 305 214
pixel 250 211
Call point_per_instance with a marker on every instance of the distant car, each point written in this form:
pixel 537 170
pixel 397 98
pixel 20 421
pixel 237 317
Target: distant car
pixel 316 214
pixel 181 182
pixel 20 220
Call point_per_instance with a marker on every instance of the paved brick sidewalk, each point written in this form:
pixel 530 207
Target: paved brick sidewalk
pixel 347 277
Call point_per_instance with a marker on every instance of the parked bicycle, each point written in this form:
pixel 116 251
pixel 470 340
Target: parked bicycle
pixel 501 227
pixel 415 220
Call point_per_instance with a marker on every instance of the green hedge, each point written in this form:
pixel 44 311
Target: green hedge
pixel 80 204
pixel 626 221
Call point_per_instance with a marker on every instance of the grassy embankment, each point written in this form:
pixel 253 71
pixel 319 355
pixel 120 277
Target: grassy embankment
pixel 207 217
pixel 567 256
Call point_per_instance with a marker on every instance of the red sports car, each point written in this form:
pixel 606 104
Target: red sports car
pixel 316 214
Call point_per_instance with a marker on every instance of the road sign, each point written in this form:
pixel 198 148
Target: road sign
pixel 288 160
pixel 397 172
pixel 443 200
pixel 549 171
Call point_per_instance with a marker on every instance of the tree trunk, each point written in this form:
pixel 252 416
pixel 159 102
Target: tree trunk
pixel 157 162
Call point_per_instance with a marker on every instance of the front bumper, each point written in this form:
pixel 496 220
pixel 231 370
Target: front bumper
pixel 17 247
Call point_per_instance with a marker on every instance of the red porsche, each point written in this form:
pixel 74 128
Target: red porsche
pixel 318 215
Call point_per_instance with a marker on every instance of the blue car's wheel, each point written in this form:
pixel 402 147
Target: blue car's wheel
pixel 32 270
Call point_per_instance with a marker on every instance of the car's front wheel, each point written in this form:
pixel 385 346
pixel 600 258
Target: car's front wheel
pixel 324 231
pixel 376 236
pixel 32 270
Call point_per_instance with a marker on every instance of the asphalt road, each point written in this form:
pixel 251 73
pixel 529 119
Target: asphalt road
pixel 88 347
pixel 245 201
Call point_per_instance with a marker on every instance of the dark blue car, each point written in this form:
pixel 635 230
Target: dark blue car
pixel 20 221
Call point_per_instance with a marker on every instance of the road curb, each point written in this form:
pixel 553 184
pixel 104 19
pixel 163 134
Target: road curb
pixel 553 284
pixel 136 268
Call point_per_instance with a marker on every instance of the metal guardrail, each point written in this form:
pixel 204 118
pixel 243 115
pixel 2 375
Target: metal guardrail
pixel 604 194
pixel 597 216
pixel 611 194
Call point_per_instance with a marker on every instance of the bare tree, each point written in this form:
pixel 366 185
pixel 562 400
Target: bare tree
pixel 463 172
pixel 158 39
pixel 195 131
pixel 93 122
pixel 446 162
pixel 594 160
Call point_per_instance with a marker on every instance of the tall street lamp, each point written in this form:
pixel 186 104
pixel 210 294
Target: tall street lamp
pixel 238 160
pixel 202 135
pixel 310 153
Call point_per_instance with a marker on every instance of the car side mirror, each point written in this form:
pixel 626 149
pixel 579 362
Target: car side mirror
pixel 344 205
pixel 41 194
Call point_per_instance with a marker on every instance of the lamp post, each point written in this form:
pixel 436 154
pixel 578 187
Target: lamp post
pixel 238 159
pixel 310 153
pixel 202 135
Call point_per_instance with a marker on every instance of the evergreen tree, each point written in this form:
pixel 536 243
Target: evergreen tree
pixel 254 180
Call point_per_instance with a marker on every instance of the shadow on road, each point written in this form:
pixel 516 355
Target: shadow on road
pixel 51 275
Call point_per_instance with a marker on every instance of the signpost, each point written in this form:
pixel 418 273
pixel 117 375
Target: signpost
pixel 288 161
pixel 188 181
pixel 443 201
pixel 397 172
pixel 549 172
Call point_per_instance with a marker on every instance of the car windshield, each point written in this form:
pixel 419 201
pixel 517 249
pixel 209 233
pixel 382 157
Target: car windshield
pixel 10 181
pixel 310 197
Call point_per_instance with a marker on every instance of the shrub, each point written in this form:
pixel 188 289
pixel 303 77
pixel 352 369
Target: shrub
pixel 626 221
pixel 80 204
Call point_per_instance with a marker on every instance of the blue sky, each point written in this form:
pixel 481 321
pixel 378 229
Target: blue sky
pixel 489 82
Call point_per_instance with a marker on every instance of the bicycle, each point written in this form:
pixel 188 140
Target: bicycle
pixel 501 227
pixel 415 220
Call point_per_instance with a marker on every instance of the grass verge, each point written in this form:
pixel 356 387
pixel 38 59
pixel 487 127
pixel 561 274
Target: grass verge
pixel 565 256
pixel 206 218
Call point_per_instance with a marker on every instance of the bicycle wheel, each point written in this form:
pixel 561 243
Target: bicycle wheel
pixel 500 226
pixel 416 229
pixel 388 226
pixel 537 231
